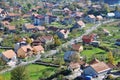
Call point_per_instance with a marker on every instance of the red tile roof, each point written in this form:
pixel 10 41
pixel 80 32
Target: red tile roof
pixel 76 46
pixel 9 54
pixel 29 26
pixel 74 65
pixel 94 61
pixel 25 48
pixel 81 23
pixel 100 67
pixel 38 48
pixel 91 16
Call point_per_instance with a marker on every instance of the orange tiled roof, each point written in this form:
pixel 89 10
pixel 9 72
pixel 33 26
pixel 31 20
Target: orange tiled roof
pixel 9 54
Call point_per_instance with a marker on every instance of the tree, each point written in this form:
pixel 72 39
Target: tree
pixel 19 73
pixel 111 58
pixel 1 78
pixel 28 40
pixel 106 8
pixel 117 8
pixel 75 57
pixel 57 41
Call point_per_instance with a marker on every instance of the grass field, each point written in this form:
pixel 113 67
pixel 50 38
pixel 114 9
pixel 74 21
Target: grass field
pixel 35 72
pixel 94 52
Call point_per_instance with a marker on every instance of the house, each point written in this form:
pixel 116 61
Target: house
pixel 106 32
pixel 77 47
pixel 117 14
pixel 46 39
pixel 13 15
pixel 95 43
pixel 96 7
pixel 90 18
pixel 78 15
pixel 74 66
pixel 78 25
pixel 26 16
pixel 36 43
pixel 110 15
pixel 38 19
pixel 57 11
pixel 25 51
pixel 3 14
pixel 97 69
pixel 89 38
pixel 52 28
pixel 9 55
pixel 63 34
pixel 40 28
pixel 38 49
pixel 117 42
pixel 67 55
pixel 11 29
pixel 28 27
pixel 99 18
pixel 67 20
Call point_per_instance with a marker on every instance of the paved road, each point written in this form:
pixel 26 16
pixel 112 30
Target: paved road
pixel 52 52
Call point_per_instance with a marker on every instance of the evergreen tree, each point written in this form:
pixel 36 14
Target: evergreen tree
pixel 111 58
pixel 19 73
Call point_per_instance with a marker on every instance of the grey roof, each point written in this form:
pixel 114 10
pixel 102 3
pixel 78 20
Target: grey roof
pixel 68 54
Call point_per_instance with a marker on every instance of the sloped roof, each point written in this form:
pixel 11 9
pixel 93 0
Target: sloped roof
pixel 81 23
pixel 9 54
pixel 38 48
pixel 76 46
pixel 100 67
pixel 25 48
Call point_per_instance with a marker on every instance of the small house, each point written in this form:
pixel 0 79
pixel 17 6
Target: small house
pixel 117 14
pixel 46 39
pixel 90 18
pixel 11 29
pixel 25 51
pixel 67 55
pixel 117 42
pixel 89 38
pixel 40 28
pixel 28 27
pixel 97 69
pixel 106 32
pixel 99 18
pixel 110 15
pixel 74 66
pixel 63 34
pixel 77 47
pixel 38 19
pixel 38 49
pixel 78 25
pixel 13 15
pixel 9 55
pixel 3 14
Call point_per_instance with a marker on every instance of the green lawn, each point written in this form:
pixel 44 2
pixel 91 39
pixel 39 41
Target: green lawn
pixel 88 25
pixel 93 52
pixel 1 50
pixel 35 72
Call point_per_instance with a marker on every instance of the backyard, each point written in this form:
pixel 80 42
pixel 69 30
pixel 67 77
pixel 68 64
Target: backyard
pixel 35 72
